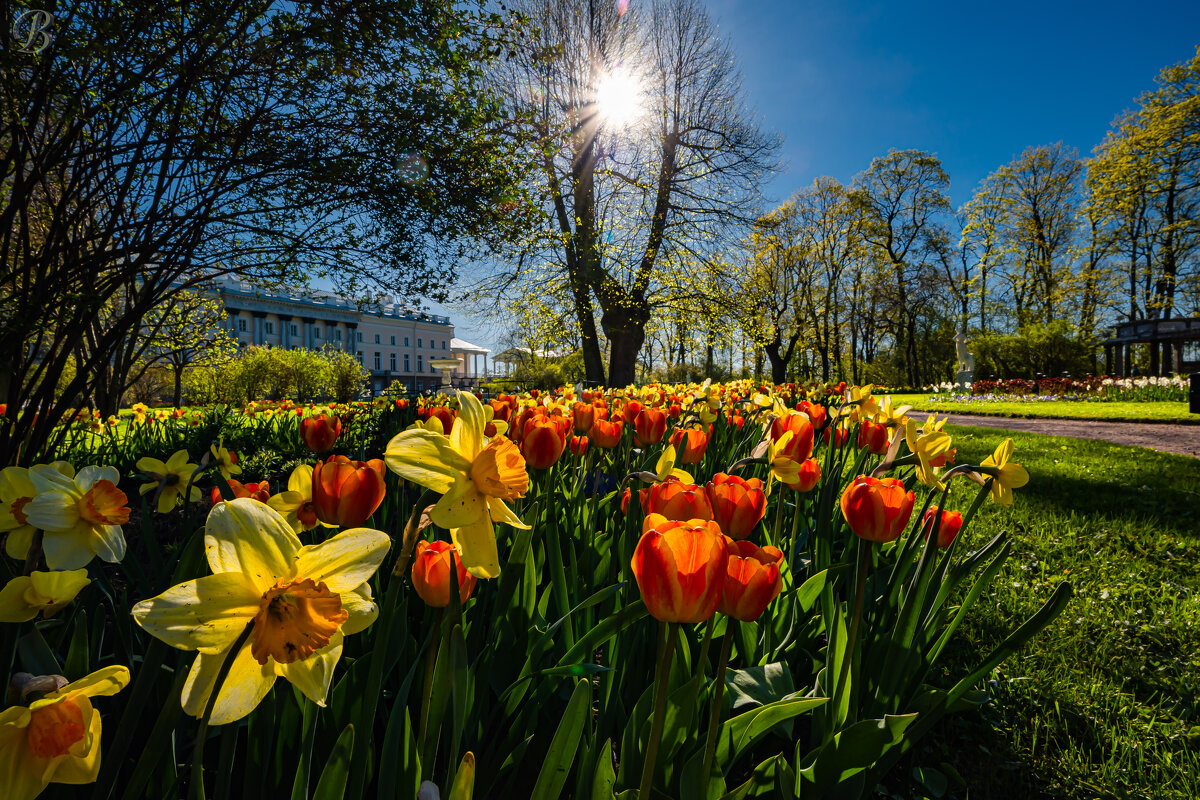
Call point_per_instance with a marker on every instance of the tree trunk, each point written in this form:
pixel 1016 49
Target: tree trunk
pixel 177 395
pixel 625 337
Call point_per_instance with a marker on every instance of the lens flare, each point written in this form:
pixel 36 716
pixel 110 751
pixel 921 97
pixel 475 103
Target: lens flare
pixel 619 97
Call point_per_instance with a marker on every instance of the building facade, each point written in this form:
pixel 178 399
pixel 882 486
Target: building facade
pixel 393 342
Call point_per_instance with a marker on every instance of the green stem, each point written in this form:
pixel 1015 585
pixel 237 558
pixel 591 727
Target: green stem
pixel 714 715
pixel 34 556
pixel 702 662
pixel 427 686
pixel 662 676
pixel 860 590
pixel 197 788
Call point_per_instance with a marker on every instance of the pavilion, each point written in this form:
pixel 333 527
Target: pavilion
pixel 1174 346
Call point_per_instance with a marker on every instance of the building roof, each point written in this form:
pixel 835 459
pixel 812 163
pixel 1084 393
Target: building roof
pixel 321 299
pixel 463 346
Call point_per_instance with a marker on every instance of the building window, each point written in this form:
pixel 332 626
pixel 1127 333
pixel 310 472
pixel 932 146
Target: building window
pixel 241 324
pixel 339 334
pixel 360 356
pixel 358 334
pixel 392 362
pixel 316 332
pixel 420 342
pixel 295 332
pixel 443 344
pixel 407 368
pixel 377 367
pixel 377 338
pixel 393 341
pixel 406 341
pixel 420 363
pixel 270 326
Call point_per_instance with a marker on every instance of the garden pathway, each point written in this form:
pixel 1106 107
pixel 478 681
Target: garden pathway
pixel 1181 439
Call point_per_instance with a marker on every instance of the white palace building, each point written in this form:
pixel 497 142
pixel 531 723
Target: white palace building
pixel 392 341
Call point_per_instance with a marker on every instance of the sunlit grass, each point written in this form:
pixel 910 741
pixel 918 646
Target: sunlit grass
pixel 1161 411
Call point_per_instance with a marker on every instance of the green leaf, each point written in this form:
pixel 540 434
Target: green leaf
pixel 563 747
pixel 399 777
pixel 77 655
pixel 739 734
pixel 36 655
pixel 332 784
pixel 604 778
pixel 853 749
pixel 758 686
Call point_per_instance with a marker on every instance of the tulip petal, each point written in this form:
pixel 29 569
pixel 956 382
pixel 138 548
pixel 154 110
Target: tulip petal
pixel 313 675
pixel 477 547
pixel 345 561
pixel 250 537
pixel 425 458
pixel 245 686
pixel 655 570
pixel 463 505
pixel 205 614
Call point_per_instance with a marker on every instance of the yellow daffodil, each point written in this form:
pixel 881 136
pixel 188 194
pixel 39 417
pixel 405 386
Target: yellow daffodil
pixel 296 504
pixel 926 447
pixel 474 475
pixel 16 490
pixel 1011 476
pixel 892 416
pixel 301 601
pixel 139 412
pixel 933 424
pixel 172 476
pixel 866 405
pixel 56 739
pixel 783 468
pixel 80 517
pixel 25 596
pixel 665 468
pixel 225 460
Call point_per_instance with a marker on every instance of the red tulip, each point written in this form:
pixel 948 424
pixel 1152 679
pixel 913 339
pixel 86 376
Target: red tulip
pixel 578 445
pixel 583 415
pixel 951 524
pixel 320 432
pixel 737 504
pixel 680 568
pixel 543 441
pixel 801 445
pixel 649 426
pixel 816 413
pixel 839 435
pixel 431 573
pixel 877 509
pixel 873 436
pixel 689 445
pixel 810 475
pixel 347 492
pixel 675 500
pixel 752 580
pixel 607 434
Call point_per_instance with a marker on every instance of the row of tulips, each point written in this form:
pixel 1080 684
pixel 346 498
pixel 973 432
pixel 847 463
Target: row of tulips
pixel 466 613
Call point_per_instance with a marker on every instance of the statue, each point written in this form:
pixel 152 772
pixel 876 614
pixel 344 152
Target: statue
pixel 965 370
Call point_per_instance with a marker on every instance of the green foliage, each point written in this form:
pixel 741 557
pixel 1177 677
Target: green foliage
pixel 1051 349
pixel 266 373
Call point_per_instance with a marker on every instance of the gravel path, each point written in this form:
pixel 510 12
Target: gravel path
pixel 1181 439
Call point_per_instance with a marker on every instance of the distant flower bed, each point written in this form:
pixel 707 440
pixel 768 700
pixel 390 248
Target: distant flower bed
pixel 1090 389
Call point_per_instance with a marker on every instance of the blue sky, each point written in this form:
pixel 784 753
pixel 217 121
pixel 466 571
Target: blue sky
pixel 976 83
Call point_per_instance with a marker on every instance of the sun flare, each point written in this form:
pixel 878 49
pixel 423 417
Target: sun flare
pixel 619 97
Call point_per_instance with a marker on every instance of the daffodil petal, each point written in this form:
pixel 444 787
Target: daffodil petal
pixel 1014 476
pixel 245 686
pixel 463 505
pixel 13 605
pixel 53 510
pixel 426 459
pixel 82 769
pixel 205 614
pixel 101 683
pixel 467 434
pixel 500 512
pixel 68 549
pixel 250 537
pixel 313 675
pixel 362 609
pixel 108 543
pixel 24 777
pixel 300 481
pixel 477 548
pixel 18 542
pixel 345 561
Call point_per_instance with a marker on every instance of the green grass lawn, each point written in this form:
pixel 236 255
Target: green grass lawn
pixel 1104 702
pixel 1159 411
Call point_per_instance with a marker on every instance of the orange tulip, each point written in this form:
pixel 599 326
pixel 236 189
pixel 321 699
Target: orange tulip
pixel 649 426
pixel 260 491
pixel 680 568
pixel 951 524
pixel 675 500
pixel 583 415
pixel 839 435
pixel 877 509
pixel 501 410
pixel 674 411
pixel 631 410
pixel 752 580
pixel 346 492
pixel 578 445
pixel 431 573
pixel 810 475
pixel 320 432
pixel 543 441
pixel 689 445
pixel 738 504
pixel 801 427
pixel 874 437
pixel 443 415
pixel 607 434
pixel 816 413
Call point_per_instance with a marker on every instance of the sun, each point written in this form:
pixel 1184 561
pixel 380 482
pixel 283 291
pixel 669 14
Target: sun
pixel 619 97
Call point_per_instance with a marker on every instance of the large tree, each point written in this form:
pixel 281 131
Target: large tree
pixel 646 148
pixel 154 145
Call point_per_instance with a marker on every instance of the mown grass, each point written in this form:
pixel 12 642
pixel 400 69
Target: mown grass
pixel 1154 411
pixel 1104 702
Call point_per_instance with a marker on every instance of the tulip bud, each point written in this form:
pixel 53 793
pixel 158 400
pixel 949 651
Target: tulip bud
pixel 431 573
pixel 877 509
pixel 689 445
pixel 951 524
pixel 752 580
pixel 680 568
pixel 582 416
pixel 737 504
pixel 578 445
pixel 347 492
pixel 676 500
pixel 320 432
pixel 815 411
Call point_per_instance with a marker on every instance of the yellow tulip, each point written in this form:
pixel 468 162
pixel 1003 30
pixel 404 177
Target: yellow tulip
pixel 48 592
pixel 1008 477
pixel 474 476
pixel 300 600
pixel 56 739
